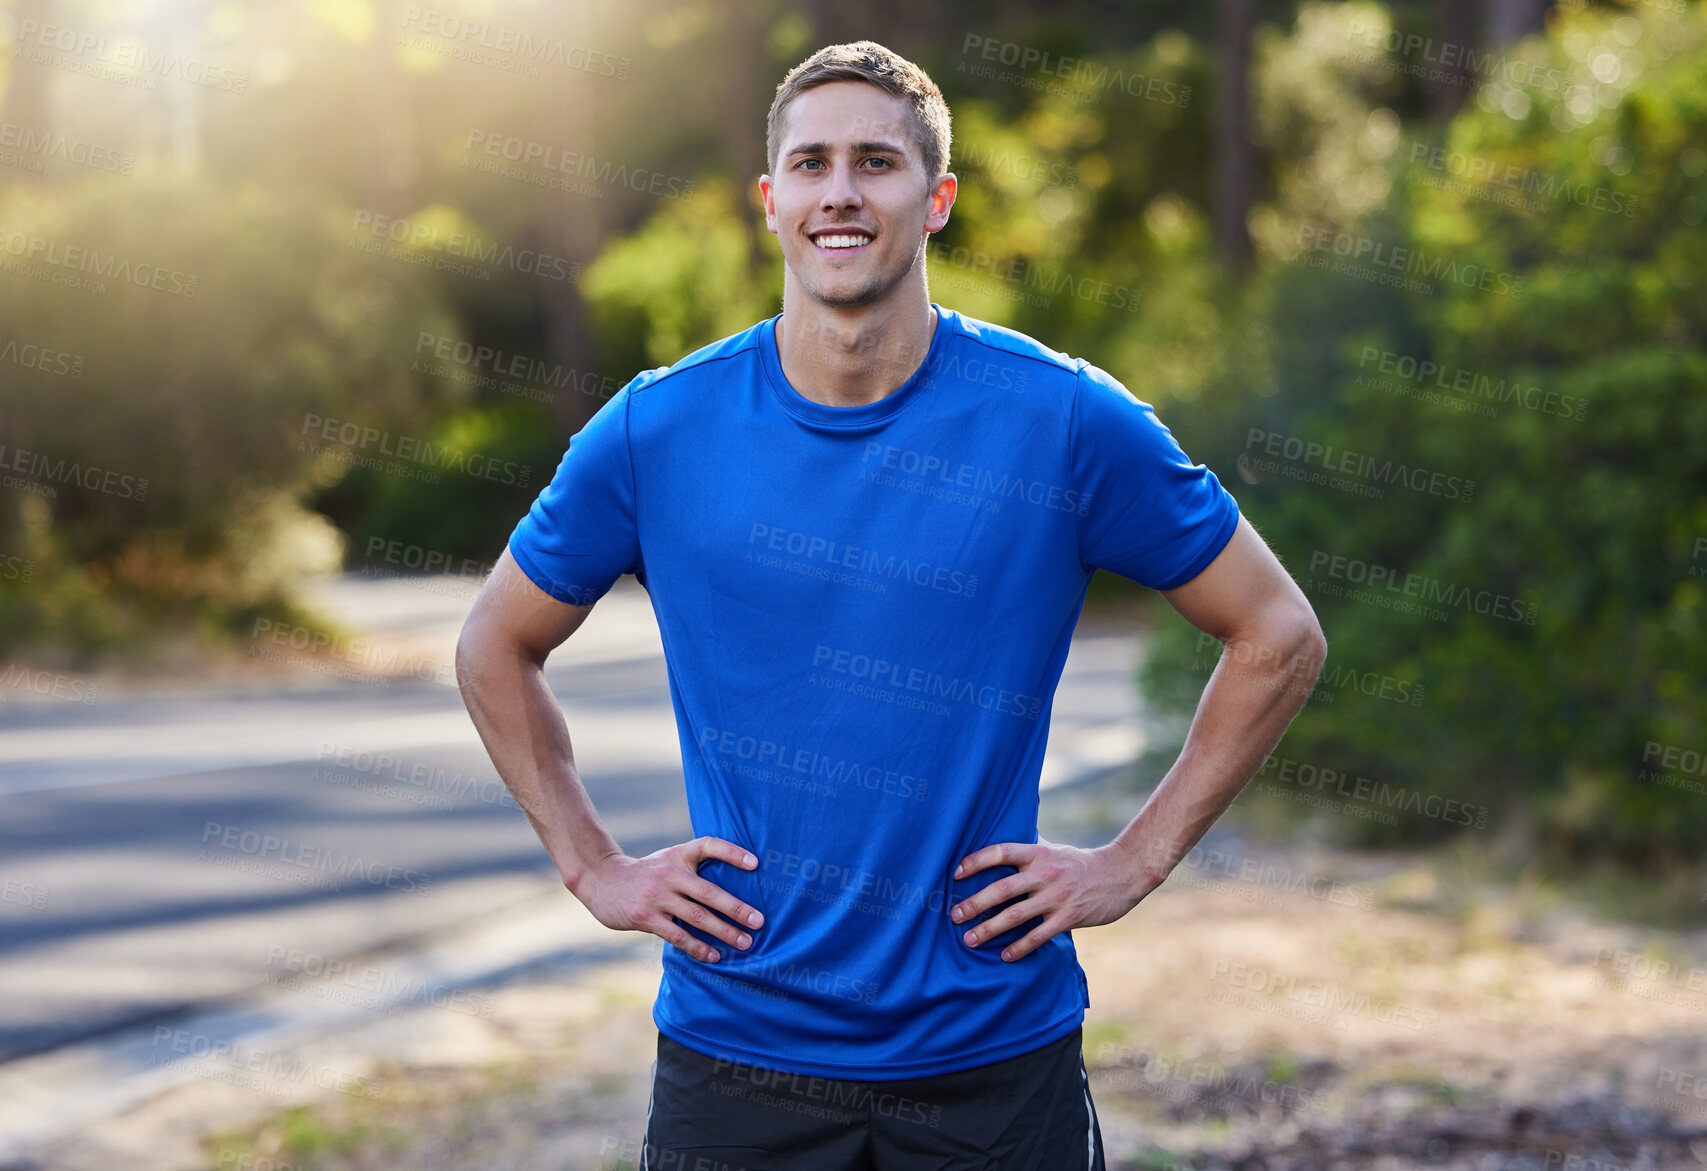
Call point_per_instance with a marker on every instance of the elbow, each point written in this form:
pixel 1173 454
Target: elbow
pixel 1312 645
pixel 1286 638
pixel 469 645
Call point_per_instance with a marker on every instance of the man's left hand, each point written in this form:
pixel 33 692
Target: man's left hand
pixel 1065 885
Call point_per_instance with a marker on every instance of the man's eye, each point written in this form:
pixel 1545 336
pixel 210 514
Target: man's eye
pixel 882 162
pixel 811 164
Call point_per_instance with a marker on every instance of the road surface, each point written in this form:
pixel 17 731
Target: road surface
pixel 167 849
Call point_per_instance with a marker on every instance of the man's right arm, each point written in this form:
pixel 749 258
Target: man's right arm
pixel 500 667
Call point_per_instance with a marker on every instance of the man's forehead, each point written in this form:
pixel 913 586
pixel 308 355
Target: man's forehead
pixel 845 112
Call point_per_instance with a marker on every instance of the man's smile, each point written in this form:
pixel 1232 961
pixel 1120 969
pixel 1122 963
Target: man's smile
pixel 842 241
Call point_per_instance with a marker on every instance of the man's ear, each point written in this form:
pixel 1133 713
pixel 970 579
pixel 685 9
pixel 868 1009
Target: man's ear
pixel 942 202
pixel 767 197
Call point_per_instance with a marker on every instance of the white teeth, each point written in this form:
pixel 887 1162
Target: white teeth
pixel 842 241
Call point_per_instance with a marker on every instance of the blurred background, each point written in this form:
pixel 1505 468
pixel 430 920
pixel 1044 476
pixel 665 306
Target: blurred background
pixel 300 301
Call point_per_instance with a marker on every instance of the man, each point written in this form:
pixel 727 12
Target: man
pixel 867 526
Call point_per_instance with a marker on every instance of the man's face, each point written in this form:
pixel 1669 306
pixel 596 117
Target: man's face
pixel 851 202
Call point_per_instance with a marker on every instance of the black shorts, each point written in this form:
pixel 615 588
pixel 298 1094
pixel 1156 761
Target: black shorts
pixel 1027 1113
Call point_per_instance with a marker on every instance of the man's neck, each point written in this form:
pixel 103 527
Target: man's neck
pixel 851 357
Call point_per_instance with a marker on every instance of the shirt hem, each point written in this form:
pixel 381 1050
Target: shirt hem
pixel 1210 551
pixel 565 592
pixel 906 1071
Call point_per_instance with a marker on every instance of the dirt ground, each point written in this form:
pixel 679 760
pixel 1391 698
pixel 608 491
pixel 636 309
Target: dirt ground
pixel 1268 1008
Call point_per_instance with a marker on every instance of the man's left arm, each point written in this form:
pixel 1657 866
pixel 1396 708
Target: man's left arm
pixel 1275 650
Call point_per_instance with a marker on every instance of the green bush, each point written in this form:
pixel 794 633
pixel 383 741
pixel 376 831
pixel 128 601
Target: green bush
pixel 1570 391
pixel 164 463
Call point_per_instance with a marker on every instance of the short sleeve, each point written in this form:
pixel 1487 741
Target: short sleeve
pixel 1151 514
pixel 580 534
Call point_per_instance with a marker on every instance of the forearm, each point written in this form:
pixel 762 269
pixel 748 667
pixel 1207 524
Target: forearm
pixel 523 729
pixel 1257 688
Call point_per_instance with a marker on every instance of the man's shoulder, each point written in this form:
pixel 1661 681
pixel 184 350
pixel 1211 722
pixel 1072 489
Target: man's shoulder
pixel 1020 358
pixel 702 362
pixel 1001 339
pixel 1003 344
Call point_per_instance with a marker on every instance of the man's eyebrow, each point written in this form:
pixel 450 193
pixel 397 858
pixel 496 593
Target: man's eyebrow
pixel 863 148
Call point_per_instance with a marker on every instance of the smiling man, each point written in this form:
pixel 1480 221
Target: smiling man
pixel 867 526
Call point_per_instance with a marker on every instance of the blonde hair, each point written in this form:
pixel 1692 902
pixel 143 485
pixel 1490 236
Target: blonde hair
pixel 890 72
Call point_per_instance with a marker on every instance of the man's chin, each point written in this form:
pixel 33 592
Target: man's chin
pixel 845 296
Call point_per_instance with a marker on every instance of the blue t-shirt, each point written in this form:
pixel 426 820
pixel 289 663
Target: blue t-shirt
pixel 865 612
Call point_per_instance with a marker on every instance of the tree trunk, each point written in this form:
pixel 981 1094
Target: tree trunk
pixel 1512 20
pixel 570 225
pixel 1456 24
pixel 26 104
pixel 1233 163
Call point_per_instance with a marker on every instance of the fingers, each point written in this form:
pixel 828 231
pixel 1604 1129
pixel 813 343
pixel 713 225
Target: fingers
pixel 701 848
pixel 996 893
pixel 673 934
pixel 1000 854
pixel 1051 926
pixel 670 918
pixel 1021 912
pixel 715 897
pixel 699 916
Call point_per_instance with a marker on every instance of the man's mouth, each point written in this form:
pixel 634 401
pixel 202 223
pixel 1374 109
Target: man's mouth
pixel 842 241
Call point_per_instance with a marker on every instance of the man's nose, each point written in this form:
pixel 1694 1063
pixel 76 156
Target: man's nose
pixel 841 191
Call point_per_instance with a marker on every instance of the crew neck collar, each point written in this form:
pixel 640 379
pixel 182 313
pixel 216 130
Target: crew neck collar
pixel 866 414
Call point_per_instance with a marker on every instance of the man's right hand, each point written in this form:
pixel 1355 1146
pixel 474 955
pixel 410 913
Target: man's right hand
pixel 651 893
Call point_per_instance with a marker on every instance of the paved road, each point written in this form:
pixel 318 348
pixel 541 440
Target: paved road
pixel 165 849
